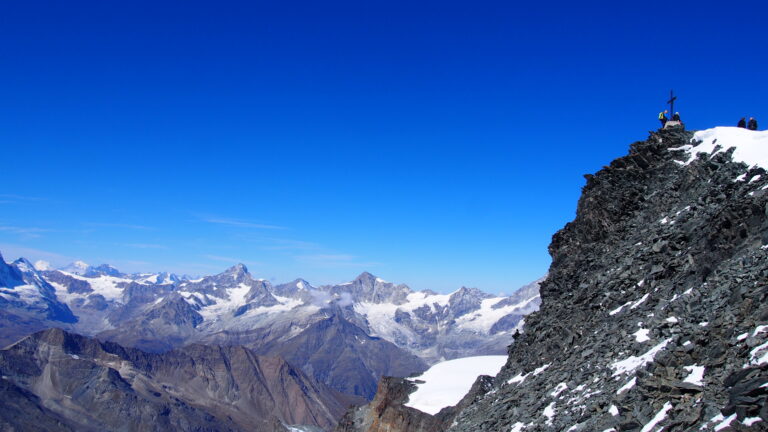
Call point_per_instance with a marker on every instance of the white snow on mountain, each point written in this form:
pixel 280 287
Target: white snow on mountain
pixel 447 382
pixel 155 278
pixel 28 293
pixel 484 318
pixel 107 286
pixel 381 316
pixel 285 304
pixel 750 147
pixel 432 326
pixel 216 307
pixel 77 268
pixel 42 265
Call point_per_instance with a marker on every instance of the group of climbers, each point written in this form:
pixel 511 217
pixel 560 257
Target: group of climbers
pixel 751 124
pixel 663 117
pixel 743 123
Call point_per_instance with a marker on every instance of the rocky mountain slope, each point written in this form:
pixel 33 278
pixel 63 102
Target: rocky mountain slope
pixel 654 313
pixel 54 380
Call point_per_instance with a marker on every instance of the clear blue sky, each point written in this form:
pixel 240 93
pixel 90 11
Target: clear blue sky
pixel 437 144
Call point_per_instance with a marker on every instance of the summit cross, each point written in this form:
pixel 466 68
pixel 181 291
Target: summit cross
pixel 671 101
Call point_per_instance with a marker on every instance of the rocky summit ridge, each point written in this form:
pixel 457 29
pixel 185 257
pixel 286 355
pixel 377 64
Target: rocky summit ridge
pixel 654 313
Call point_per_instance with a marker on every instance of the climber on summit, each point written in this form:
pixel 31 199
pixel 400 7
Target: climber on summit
pixel 676 117
pixel 742 123
pixel 752 124
pixel 663 118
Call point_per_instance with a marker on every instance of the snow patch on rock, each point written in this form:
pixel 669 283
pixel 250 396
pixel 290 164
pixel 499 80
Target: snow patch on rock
pixel 447 382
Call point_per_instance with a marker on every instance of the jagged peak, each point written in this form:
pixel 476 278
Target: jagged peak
pixel 58 337
pixel 365 277
pixel 24 265
pixel 103 270
pixel 77 267
pixel 105 267
pixel 463 291
pixel 238 268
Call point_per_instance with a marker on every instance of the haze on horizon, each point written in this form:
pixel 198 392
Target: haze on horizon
pixel 433 144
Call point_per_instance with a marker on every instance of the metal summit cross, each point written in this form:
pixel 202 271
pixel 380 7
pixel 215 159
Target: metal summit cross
pixel 671 101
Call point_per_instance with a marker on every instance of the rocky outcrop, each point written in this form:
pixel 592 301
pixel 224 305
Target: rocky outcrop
pixel 344 357
pixel 387 411
pixel 60 381
pixel 654 313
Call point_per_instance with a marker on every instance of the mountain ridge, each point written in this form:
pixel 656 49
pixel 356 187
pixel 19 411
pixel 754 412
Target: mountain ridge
pixel 408 328
pixel 658 287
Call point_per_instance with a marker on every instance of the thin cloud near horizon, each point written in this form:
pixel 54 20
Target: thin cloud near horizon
pixel 241 223
pixel 119 225
pixel 145 246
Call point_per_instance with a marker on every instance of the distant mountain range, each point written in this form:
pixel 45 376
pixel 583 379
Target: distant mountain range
pixel 339 339
pixel 345 336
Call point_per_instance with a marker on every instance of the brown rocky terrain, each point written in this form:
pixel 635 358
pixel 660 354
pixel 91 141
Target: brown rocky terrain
pixel 54 380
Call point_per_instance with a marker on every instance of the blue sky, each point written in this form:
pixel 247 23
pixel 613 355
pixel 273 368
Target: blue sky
pixel 437 144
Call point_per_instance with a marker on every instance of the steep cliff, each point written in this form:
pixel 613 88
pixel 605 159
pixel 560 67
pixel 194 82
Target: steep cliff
pixel 654 312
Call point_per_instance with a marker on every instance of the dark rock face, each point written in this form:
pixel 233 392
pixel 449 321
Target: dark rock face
pixel 103 270
pixel 298 289
pixel 59 381
pixel 387 413
pixel 164 326
pixel 341 355
pixel 466 300
pixel 654 311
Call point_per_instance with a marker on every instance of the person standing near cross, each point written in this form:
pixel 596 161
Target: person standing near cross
pixel 663 118
pixel 675 118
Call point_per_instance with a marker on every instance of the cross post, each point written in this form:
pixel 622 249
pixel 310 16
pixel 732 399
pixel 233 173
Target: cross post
pixel 671 102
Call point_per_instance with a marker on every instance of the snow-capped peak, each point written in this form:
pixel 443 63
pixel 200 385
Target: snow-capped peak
pixel 102 270
pixel 41 265
pixel 365 277
pixel 237 269
pixel 77 267
pixel 24 265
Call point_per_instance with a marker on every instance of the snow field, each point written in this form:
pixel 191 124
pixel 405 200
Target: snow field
pixel 447 382
pixel 751 147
